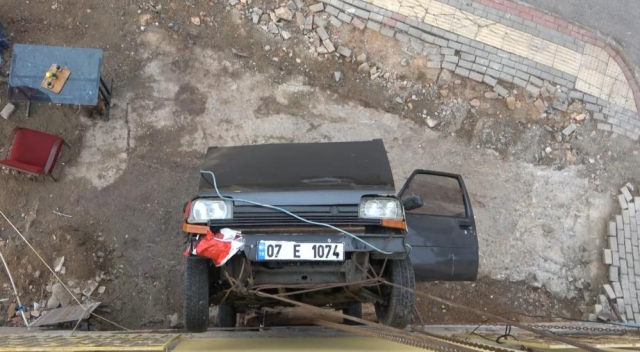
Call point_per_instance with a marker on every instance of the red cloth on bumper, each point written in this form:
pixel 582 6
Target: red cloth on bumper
pixel 219 247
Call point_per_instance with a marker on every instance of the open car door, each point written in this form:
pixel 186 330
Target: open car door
pixel 441 228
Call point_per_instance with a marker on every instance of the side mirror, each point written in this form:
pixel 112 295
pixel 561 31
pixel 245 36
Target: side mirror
pixel 412 202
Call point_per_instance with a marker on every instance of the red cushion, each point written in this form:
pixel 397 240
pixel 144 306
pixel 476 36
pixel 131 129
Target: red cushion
pixel 33 147
pixel 22 166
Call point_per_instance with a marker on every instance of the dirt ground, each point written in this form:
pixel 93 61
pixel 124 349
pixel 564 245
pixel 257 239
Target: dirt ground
pixel 180 88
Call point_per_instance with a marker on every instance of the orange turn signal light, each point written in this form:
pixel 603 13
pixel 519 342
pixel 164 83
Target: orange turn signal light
pixel 199 229
pixel 394 224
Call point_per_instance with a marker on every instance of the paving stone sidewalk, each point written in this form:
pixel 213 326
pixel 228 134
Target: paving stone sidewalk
pixel 500 42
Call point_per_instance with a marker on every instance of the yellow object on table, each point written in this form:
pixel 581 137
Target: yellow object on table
pixel 55 78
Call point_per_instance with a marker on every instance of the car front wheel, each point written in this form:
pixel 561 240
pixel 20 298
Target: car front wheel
pixel 398 307
pixel 196 315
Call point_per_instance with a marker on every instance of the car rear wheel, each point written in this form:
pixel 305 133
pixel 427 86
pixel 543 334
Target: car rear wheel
pixel 196 307
pixel 398 308
pixel 354 309
pixel 227 316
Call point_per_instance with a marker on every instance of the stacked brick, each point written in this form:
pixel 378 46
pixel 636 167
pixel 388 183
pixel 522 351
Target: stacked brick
pixel 484 63
pixel 623 257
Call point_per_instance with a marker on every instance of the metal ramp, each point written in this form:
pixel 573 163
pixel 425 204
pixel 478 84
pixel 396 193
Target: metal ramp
pixel 87 341
pixel 350 344
pixel 316 338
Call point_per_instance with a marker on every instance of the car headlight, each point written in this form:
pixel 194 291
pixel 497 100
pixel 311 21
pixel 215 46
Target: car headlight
pixel 380 208
pixel 203 210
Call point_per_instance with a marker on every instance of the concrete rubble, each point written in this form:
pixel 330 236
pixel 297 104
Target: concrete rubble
pixel 552 95
pixel 58 265
pixel 59 296
pixel 569 129
pixel 364 68
pixel 89 288
pixel 7 111
pixel 319 22
pixel 174 321
pixel 284 13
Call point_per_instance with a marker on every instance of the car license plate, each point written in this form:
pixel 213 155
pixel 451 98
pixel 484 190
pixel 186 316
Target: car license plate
pixel 284 250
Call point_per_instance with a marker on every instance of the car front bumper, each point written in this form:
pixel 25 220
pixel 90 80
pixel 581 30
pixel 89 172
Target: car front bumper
pixel 357 256
pixel 393 244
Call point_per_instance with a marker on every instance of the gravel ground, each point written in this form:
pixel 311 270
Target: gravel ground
pixel 541 216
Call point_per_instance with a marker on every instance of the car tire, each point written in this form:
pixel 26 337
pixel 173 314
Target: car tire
pixel 397 311
pixel 227 316
pixel 354 309
pixel 196 307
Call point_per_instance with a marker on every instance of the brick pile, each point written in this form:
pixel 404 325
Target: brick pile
pixel 623 257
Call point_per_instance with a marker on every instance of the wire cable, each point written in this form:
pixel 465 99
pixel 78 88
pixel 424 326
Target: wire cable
pixel 15 290
pixel 311 222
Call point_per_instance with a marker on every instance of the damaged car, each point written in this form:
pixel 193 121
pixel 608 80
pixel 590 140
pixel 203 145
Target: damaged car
pixel 318 222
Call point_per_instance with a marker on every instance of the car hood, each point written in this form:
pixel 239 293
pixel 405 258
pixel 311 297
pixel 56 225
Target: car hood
pixel 299 173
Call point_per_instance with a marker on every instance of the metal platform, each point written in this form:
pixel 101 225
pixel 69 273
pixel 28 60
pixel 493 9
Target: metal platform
pixel 315 338
pixel 87 341
pixel 65 314
pixel 351 344
pixel 544 343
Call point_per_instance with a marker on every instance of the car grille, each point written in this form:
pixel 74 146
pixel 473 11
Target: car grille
pixel 281 219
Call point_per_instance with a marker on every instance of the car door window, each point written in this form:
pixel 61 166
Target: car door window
pixel 442 195
pixel 440 227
